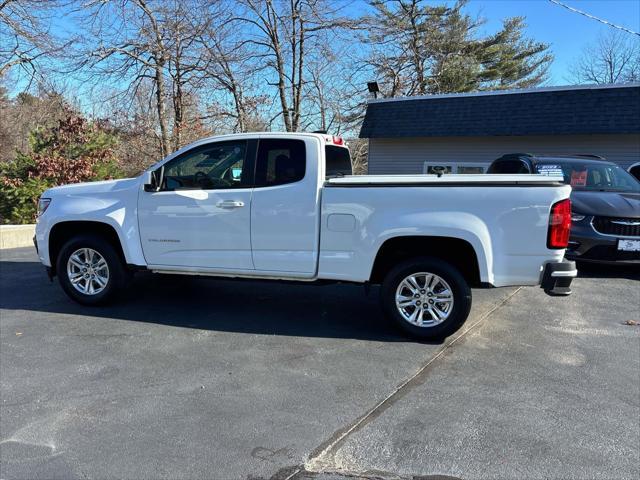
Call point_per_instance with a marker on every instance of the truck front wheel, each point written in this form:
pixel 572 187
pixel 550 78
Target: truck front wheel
pixel 90 270
pixel 426 297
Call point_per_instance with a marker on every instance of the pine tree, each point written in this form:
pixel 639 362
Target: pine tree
pixel 421 48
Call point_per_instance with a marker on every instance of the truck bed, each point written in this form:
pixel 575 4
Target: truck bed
pixel 504 218
pixel 446 179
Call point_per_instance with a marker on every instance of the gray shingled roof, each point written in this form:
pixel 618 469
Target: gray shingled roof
pixel 545 111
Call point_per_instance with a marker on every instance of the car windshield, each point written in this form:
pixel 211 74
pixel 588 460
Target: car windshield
pixel 591 175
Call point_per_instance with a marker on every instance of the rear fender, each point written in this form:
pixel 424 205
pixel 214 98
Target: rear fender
pixel 457 225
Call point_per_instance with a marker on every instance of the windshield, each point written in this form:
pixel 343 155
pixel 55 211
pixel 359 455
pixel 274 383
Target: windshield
pixel 591 175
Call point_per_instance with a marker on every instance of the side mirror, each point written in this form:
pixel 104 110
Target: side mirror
pixel 147 180
pixel 153 180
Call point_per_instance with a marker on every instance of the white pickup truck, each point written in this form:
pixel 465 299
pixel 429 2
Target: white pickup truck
pixel 279 206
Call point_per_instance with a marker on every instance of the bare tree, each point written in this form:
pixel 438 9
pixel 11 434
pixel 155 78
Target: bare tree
pixel 140 40
pixel 230 70
pixel 359 149
pixel 136 125
pixel 23 114
pixel 130 49
pixel 284 32
pixel 336 91
pixel 189 63
pixel 614 58
pixel 25 38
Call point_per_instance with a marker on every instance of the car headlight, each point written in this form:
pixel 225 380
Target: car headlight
pixel 577 217
pixel 43 204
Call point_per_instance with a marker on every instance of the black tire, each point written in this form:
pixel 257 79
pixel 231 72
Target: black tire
pixel 117 276
pixel 458 285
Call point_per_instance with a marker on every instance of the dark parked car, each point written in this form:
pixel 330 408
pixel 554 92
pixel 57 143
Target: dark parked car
pixel 605 201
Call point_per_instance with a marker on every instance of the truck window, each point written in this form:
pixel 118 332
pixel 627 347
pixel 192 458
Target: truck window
pixel 338 161
pixel 279 162
pixel 208 167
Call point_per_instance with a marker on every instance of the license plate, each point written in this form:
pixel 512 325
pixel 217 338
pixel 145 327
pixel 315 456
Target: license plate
pixel 629 245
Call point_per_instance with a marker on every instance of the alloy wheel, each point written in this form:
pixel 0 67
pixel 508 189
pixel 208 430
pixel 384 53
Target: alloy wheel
pixel 87 271
pixel 424 299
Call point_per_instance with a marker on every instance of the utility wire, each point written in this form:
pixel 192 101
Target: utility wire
pixel 588 15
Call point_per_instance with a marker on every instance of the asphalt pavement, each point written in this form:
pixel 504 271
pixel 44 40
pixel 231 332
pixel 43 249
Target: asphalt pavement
pixel 207 378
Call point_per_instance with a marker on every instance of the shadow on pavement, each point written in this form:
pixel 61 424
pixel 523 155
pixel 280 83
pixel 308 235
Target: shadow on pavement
pixel 602 270
pixel 331 311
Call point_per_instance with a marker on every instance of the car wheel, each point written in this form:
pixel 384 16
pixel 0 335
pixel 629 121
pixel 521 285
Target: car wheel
pixel 90 270
pixel 426 297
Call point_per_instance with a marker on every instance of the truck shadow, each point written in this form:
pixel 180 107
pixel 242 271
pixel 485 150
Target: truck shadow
pixel 597 270
pixel 261 307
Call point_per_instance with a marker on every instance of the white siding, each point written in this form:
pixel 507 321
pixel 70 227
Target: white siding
pixel 407 155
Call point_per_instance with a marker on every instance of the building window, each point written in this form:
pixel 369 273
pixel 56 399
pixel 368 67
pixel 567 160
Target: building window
pixel 454 167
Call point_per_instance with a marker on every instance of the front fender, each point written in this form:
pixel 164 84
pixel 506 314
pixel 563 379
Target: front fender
pixel 118 210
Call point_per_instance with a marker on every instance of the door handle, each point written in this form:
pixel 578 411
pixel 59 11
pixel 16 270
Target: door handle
pixel 230 204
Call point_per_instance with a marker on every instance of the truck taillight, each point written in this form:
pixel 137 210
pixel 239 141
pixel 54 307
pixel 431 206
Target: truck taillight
pixel 559 224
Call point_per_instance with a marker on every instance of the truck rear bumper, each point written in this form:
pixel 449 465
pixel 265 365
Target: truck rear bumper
pixel 557 277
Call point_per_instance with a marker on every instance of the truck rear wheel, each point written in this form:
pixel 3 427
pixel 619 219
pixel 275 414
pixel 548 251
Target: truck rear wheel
pixel 90 270
pixel 426 297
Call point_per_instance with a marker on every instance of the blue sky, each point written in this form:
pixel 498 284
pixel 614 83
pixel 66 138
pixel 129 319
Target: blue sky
pixel 565 31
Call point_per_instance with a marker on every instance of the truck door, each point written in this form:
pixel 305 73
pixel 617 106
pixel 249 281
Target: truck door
pixel 201 215
pixel 285 207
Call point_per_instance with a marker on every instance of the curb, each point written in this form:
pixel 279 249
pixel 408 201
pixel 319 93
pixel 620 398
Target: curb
pixel 15 236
